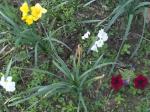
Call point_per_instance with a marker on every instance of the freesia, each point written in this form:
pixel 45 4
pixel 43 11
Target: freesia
pixel 94 48
pixel 99 43
pixel 86 35
pixel 7 83
pixel 101 38
pixel 102 35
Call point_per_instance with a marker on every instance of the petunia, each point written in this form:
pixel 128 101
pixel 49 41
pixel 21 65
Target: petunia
pixel 116 82
pixel 86 35
pixel 140 82
pixel 102 35
pixel 7 83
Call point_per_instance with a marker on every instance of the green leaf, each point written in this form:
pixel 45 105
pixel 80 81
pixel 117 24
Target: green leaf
pixel 118 11
pixel 88 3
pixel 142 36
pixel 86 74
pixel 36 55
pixel 142 4
pixel 8 20
pixel 83 102
pixel 8 68
pixel 124 39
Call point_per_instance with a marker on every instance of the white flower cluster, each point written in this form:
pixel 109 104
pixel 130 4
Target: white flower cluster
pixel 7 83
pixel 101 38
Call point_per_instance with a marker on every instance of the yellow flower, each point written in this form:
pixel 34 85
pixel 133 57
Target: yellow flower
pixel 24 8
pixel 29 19
pixel 24 16
pixel 29 15
pixel 37 11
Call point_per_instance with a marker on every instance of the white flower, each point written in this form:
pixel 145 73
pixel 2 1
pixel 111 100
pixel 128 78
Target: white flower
pixel 86 35
pixel 102 35
pixel 99 43
pixel 94 48
pixel 7 83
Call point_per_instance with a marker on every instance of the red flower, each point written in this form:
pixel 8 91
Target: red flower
pixel 140 82
pixel 116 82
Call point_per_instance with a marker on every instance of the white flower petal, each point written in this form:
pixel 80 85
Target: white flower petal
pixel 7 84
pixel 2 83
pixel 10 86
pixel 88 32
pixel 105 37
pixel 83 37
pixel 102 35
pixel 94 48
pixel 9 78
pixel 3 78
pixel 86 35
pixel 99 43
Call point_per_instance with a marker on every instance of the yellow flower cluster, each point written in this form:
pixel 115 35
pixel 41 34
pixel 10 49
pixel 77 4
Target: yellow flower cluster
pixel 31 14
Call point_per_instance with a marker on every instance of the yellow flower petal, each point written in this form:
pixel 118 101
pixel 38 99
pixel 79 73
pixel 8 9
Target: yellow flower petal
pixel 29 19
pixel 24 16
pixel 44 10
pixel 24 8
pixel 37 11
pixel 38 5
